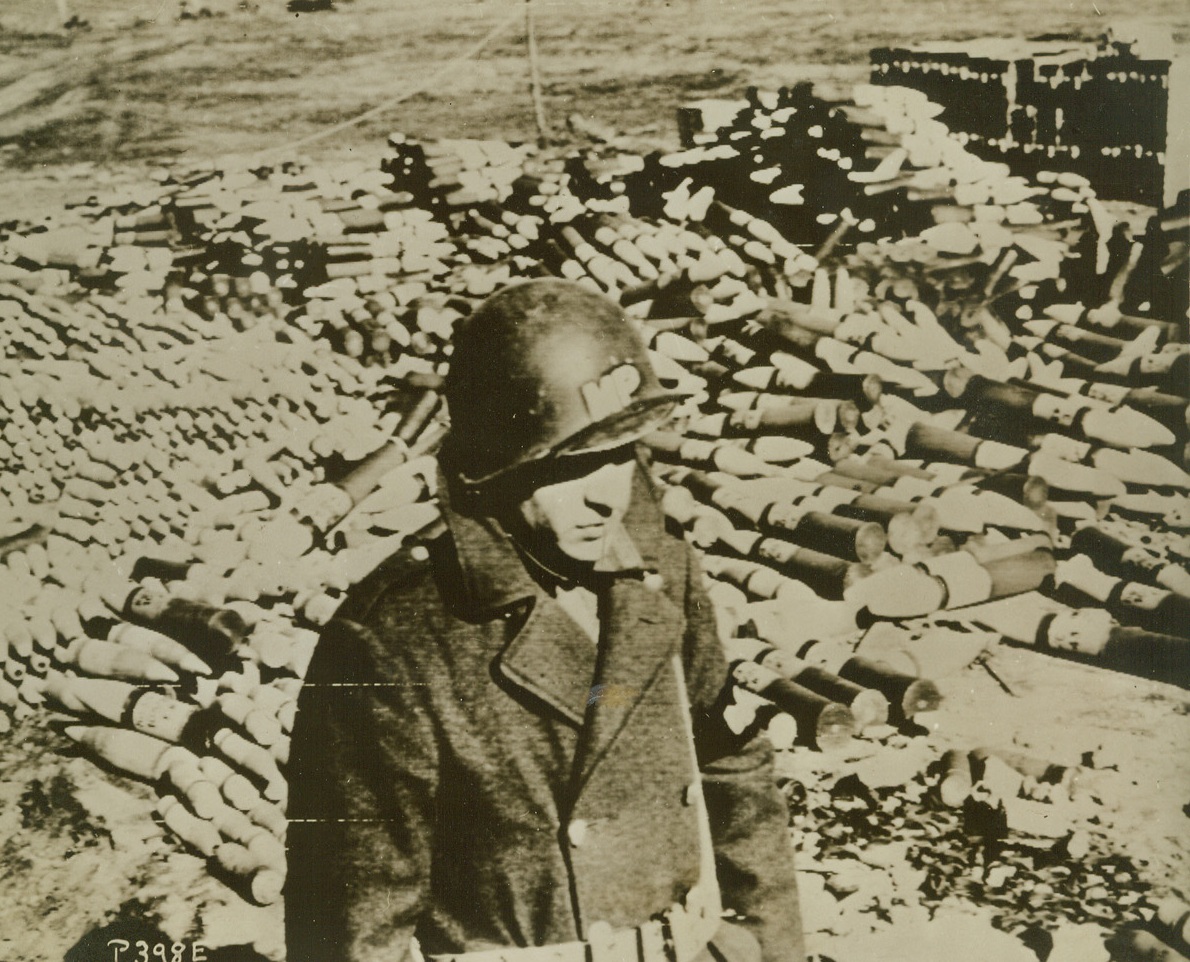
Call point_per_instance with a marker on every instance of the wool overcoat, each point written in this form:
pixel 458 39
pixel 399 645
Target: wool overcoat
pixel 469 767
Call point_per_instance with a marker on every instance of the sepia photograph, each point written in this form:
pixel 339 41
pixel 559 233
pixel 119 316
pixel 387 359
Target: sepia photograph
pixel 623 481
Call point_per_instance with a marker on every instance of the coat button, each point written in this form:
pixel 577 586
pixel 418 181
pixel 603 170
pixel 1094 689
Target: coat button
pixel 576 831
pixel 689 794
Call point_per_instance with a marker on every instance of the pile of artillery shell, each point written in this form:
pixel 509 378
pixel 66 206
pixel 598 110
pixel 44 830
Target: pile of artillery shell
pixel 900 402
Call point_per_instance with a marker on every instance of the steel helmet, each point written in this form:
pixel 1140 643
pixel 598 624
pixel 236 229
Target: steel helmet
pixel 546 368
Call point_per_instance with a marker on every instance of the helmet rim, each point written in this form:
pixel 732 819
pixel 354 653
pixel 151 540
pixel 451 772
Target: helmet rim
pixel 643 416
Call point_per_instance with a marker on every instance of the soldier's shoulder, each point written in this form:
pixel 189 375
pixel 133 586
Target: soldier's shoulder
pixel 406 573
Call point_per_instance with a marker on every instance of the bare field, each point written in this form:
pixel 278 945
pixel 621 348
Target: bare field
pixel 140 85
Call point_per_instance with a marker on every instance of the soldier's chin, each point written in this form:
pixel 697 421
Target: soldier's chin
pixel 586 550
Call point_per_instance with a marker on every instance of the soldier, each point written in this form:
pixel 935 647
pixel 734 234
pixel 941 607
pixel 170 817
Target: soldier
pixel 510 743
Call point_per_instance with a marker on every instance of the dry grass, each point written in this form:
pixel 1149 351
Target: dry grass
pixel 141 85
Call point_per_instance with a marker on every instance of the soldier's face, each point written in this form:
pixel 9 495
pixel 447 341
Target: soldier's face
pixel 577 513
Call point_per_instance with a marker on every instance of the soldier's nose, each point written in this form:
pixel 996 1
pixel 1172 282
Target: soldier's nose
pixel 601 490
pixel 599 502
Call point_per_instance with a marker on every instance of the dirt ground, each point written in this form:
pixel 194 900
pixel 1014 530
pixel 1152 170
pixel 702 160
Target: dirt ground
pixel 137 84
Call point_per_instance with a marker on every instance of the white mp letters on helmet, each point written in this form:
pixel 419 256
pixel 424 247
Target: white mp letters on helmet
pixel 612 392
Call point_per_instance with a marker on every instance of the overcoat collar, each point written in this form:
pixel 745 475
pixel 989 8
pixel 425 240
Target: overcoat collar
pixel 547 656
pixel 493 576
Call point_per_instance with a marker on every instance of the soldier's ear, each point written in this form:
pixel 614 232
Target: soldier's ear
pixel 462 498
pixel 495 498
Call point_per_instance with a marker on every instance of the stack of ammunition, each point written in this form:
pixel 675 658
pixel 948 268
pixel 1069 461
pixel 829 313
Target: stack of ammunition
pixel 887 163
pixel 168 529
pixel 1095 109
pixel 456 173
pixel 997 828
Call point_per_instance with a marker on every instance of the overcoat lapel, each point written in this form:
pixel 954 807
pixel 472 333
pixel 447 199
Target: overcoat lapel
pixel 641 630
pixel 552 659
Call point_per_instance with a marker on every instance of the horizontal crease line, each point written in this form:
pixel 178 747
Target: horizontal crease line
pixel 366 684
pixel 316 821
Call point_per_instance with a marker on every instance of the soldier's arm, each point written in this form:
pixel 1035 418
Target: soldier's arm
pixel 363 775
pixel 748 815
